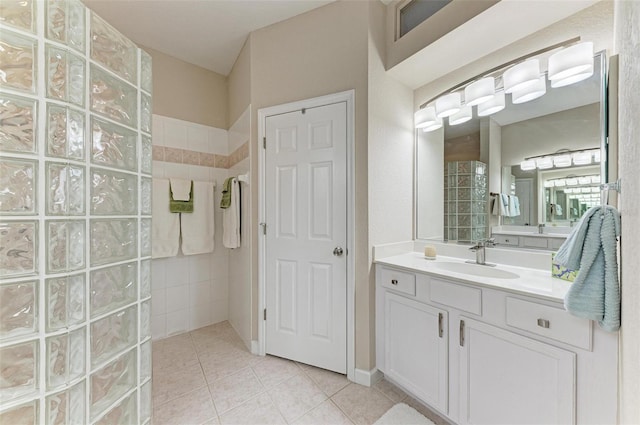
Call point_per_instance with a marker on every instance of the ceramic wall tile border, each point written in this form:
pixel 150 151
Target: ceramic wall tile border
pixel 204 159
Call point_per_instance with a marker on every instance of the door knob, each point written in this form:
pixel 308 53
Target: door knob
pixel 338 251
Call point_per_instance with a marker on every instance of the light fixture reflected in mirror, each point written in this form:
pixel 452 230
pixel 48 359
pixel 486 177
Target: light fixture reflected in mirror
pixel 492 106
pixel 582 158
pixel 433 126
pixel 570 65
pixel 480 91
pixel 561 161
pixel 463 115
pixel 544 163
pixel 425 117
pixel 448 105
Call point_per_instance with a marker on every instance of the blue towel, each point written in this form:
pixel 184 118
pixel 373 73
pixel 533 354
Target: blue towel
pixel 592 247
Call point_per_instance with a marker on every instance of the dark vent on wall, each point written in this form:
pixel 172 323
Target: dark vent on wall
pixel 416 12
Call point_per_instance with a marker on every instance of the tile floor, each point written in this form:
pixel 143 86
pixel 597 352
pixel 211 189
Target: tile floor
pixel 207 376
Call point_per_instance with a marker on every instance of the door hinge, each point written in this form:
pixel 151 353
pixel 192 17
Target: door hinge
pixel 264 143
pixel 462 333
pixel 440 320
pixel 264 228
pixel 264 314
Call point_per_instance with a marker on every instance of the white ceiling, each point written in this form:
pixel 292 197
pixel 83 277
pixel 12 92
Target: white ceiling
pixel 207 33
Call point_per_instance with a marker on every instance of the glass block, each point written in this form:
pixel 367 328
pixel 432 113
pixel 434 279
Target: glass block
pixel 18 180
pixel 65 76
pixel 18 62
pixel 464 207
pixel 65 23
pixel 65 245
pixel 113 334
pixel 479 207
pixel 18 116
pixel 18 308
pixel 24 414
pixel 65 358
pixel 125 412
pixel 145 112
pixel 18 252
pixel 112 382
pixel 113 287
pixel 65 132
pixel 145 402
pixel 65 301
pixel 464 194
pixel 464 234
pixel 145 361
pixel 113 50
pixel 464 181
pixel 145 320
pixel 113 240
pixel 113 145
pixel 113 193
pixel 146 81
pixel 464 220
pixel 67 407
pixel 18 370
pixel 464 167
pixel 145 195
pixel 113 98
pixel 145 237
pixel 65 189
pixel 19 14
pixel 147 155
pixel 145 279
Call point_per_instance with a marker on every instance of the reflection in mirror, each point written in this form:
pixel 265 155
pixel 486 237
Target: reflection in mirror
pixel 542 157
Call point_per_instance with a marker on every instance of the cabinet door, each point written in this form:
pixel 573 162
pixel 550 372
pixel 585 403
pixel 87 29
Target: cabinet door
pixel 509 379
pixel 416 349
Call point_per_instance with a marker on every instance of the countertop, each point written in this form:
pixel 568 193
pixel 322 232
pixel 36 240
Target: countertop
pixel 534 234
pixel 531 282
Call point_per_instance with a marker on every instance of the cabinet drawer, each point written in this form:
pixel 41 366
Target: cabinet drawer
pixel 528 242
pixel 507 240
pixel 555 243
pixel 461 297
pixel 551 322
pixel 399 281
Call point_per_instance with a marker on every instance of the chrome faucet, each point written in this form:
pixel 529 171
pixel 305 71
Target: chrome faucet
pixel 541 228
pixel 479 249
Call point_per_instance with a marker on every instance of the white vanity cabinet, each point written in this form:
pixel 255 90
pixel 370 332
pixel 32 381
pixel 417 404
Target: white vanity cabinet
pixel 479 354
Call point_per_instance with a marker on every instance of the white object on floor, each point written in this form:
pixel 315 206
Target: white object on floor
pixel 401 414
pixel 198 227
pixel 165 224
pixel 231 218
pixel 180 189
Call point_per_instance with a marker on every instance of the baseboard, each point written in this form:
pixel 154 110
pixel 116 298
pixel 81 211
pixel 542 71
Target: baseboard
pixel 367 377
pixel 255 347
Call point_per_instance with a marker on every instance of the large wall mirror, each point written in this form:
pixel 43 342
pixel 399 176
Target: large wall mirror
pixel 549 154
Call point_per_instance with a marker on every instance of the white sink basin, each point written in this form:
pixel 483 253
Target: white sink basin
pixel 476 270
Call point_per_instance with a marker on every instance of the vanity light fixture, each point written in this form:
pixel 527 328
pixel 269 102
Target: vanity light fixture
pixel 448 104
pixel 572 64
pixel 596 155
pixel 425 117
pixel 582 158
pixel 559 182
pixel 584 180
pixel 544 163
pixel 571 182
pixel 480 91
pixel 433 126
pixel 528 164
pixel 530 92
pixel 595 179
pixel 492 106
pixel 521 76
pixel 463 115
pixel 548 183
pixel 561 161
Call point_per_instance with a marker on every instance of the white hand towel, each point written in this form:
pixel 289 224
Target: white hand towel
pixel 198 227
pixel 165 224
pixel 180 189
pixel 516 205
pixel 231 219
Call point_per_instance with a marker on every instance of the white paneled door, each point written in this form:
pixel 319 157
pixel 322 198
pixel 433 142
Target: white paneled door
pixel 306 217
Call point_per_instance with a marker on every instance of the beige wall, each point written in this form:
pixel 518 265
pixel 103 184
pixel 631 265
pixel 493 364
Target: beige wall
pixel 240 84
pixel 390 146
pixel 317 53
pixel 628 46
pixel 188 92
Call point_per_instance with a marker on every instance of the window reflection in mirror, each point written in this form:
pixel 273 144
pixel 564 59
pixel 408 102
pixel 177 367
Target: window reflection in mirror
pixel 565 119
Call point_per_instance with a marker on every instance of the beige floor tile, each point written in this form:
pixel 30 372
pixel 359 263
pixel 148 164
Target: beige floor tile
pixel 326 413
pixel 328 381
pixel 220 365
pixel 170 383
pixel 258 410
pixel 361 404
pixel 176 351
pixel 296 396
pixel 194 408
pixel 273 370
pixel 233 390
pixel 390 390
pixel 424 410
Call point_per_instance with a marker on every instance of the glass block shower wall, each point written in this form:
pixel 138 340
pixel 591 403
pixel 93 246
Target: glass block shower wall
pixel 75 218
pixel 466 217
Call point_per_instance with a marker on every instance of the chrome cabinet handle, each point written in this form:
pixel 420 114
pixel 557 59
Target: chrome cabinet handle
pixel 338 251
pixel 544 323
pixel 440 319
pixel 462 333
pixel 394 281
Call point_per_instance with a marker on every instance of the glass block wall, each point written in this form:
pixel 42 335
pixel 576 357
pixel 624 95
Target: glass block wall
pixel 466 217
pixel 75 218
